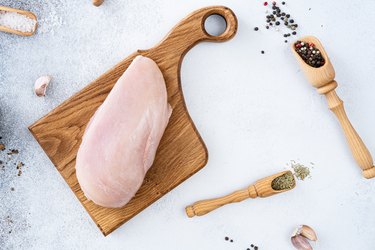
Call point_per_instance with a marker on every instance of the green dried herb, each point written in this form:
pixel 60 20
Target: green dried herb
pixel 283 182
pixel 300 171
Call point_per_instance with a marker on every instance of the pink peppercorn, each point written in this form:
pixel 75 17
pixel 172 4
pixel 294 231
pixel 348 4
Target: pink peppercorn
pixel 265 3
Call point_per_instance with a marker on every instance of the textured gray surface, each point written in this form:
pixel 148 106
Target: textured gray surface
pixel 255 112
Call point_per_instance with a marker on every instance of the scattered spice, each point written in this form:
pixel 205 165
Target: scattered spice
pixel 11 160
pixel 300 171
pixel 253 247
pixel 279 17
pixel 226 238
pixel 16 21
pixel 309 53
pixel 262 52
pixel 12 152
pixel 19 167
pixel 256 28
pixel 12 189
pixel 283 182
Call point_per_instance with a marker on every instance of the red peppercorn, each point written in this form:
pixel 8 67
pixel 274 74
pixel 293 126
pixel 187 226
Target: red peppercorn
pixel 265 3
pixel 311 44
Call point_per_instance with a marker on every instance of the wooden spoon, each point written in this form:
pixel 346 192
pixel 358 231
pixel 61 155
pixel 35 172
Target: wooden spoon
pixel 97 3
pixel 262 188
pixel 21 12
pixel 322 78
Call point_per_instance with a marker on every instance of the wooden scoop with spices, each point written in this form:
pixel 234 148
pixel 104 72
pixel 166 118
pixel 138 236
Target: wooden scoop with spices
pixel 19 22
pixel 319 71
pixel 268 186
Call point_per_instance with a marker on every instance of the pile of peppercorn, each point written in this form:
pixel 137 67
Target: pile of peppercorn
pixel 309 53
pixel 278 17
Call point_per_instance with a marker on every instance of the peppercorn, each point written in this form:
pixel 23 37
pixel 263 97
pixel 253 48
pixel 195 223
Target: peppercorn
pixel 286 41
pixel 267 27
pixel 287 15
pixel 262 52
pixel 277 23
pixel 255 248
pixel 256 28
pixel 286 23
pixel 291 21
pixel 294 33
pixel 265 3
pixel 283 3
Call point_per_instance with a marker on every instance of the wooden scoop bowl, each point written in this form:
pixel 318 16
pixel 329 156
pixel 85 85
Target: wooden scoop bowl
pixel 21 12
pixel 322 78
pixel 262 188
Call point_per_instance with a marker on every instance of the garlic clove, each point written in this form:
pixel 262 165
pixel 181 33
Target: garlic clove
pixel 301 243
pixel 41 85
pixel 305 231
pixel 308 232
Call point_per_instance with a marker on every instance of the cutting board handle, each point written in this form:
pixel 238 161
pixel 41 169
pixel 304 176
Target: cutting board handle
pixel 177 42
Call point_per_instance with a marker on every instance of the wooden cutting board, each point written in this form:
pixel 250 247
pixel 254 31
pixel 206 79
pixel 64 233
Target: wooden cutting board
pixel 181 152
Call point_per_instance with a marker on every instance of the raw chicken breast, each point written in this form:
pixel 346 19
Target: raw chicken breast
pixel 121 139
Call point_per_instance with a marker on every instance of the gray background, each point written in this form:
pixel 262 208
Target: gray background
pixel 255 112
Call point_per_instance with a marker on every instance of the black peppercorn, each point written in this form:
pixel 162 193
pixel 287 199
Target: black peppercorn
pixel 283 3
pixel 286 23
pixel 277 23
pixel 267 27
pixel 287 15
pixel 291 21
pixel 286 41
pixel 226 238
pixel 294 33
pixel 256 28
pixel 262 52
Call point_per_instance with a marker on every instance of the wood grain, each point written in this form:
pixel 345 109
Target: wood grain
pixel 21 12
pixel 322 78
pixel 261 188
pixel 181 152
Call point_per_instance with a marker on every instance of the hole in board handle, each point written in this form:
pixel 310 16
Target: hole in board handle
pixel 215 25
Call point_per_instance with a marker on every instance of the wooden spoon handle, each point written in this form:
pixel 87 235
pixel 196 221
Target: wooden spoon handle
pixel 203 207
pixel 358 148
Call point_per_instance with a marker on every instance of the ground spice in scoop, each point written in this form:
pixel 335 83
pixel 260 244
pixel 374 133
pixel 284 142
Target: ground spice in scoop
pixel 309 53
pixel 283 182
